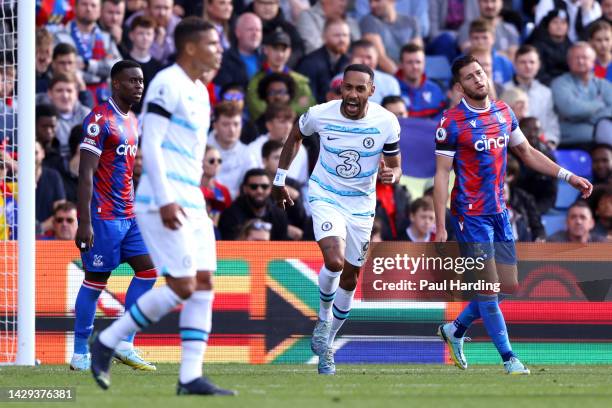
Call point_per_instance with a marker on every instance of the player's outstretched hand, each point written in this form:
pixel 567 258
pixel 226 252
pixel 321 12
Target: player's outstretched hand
pixel 172 216
pixel 581 184
pixel 281 196
pixel 385 173
pixel 84 236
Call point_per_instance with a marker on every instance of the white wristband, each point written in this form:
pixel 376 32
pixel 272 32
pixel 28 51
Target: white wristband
pixel 564 174
pixel 279 179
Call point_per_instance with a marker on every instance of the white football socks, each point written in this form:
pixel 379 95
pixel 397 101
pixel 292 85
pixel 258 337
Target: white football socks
pixel 341 310
pixel 194 324
pixel 328 284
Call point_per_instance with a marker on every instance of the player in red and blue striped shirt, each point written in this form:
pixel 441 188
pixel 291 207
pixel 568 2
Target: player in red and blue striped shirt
pixel 473 139
pixel 107 234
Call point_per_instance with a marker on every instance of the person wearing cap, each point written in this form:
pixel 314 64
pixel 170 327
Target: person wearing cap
pixel 277 50
pixel 273 19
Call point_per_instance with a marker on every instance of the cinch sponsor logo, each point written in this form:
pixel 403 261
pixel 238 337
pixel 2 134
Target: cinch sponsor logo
pixel 127 149
pixel 493 143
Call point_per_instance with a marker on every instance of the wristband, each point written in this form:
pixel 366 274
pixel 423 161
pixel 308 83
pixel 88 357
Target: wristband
pixel 564 174
pixel 279 179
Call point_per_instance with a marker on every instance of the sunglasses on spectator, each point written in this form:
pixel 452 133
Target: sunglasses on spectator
pixel 234 96
pixel 255 186
pixel 61 220
pixel 260 226
pixel 215 160
pixel 278 93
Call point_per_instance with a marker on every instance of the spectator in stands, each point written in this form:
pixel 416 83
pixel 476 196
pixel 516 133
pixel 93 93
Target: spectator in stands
pixel 234 93
pixel 389 32
pixel 275 89
pixel 46 123
pixel 581 13
pixel 601 158
pixel 142 34
pixel 486 61
pixel 553 44
pixel 543 188
pixel 312 23
pixel 445 18
pixel 321 65
pixel 579 226
pixel 392 208
pixel 273 19
pixel 255 230
pixel 53 13
pixel 522 206
pixel 8 114
pixel 70 174
pixel 482 38
pixel 583 101
pixel 279 119
pixel 335 89
pixel 166 21
pixel 49 190
pixel 603 216
pixel 97 52
pixel 254 202
pixel 134 6
pixel 505 35
pixel 424 98
pixel 277 49
pixel 44 54
pixel 65 223
pixel 541 105
pixel 63 96
pixel 217 196
pixel 111 19
pixel 600 38
pixel 300 225
pixel 518 101
pixel 64 61
pixel 219 12
pixel 364 52
pixel 225 137
pixel 395 104
pixel 606 11
pixel 8 203
pixel 241 62
pixel 417 8
pixel 422 222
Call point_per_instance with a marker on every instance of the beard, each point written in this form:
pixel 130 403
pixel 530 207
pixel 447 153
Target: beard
pixel 477 95
pixel 256 203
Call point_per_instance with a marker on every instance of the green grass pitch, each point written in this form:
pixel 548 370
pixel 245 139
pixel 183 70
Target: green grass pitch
pixel 354 386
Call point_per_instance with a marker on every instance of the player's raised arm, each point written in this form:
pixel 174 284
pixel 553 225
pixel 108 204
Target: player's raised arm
pixel 88 164
pixel 537 161
pixel 444 164
pixel 280 194
pixel 391 168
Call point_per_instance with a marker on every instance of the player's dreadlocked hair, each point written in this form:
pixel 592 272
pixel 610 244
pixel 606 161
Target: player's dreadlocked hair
pixel 461 62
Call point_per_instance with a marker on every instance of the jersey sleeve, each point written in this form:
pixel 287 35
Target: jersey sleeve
pixel 162 98
pixel 446 137
pixel 516 134
pixel 391 146
pixel 94 133
pixel 308 122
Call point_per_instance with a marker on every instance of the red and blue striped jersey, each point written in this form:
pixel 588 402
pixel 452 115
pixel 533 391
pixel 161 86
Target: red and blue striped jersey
pixel 478 140
pixel 113 136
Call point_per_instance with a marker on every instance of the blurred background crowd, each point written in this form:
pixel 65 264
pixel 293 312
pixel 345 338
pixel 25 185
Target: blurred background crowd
pixel 550 60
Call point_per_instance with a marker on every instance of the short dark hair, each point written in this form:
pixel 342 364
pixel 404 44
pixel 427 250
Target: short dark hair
pixel 597 26
pixel 421 204
pixel 275 110
pixel 121 66
pixel 45 111
pixel 142 21
pixel 526 49
pixel 269 147
pixel 64 207
pixel 480 25
pixel 262 88
pixel 63 49
pixel 226 108
pixel 362 44
pixel 360 68
pixel 601 146
pixel 580 203
pixel 188 29
pixel 57 78
pixel 389 99
pixel 461 62
pixel 256 172
pixel 410 48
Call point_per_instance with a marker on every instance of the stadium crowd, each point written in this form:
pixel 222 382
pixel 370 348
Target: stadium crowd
pixel 550 60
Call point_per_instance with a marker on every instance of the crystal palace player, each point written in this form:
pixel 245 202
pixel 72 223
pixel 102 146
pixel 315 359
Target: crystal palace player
pixel 473 139
pixel 107 233
pixel 359 139
pixel 171 210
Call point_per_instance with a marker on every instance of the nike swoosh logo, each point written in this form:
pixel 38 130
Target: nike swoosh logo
pixel 332 138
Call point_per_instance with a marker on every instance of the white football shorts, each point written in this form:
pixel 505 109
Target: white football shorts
pixel 179 253
pixel 330 221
